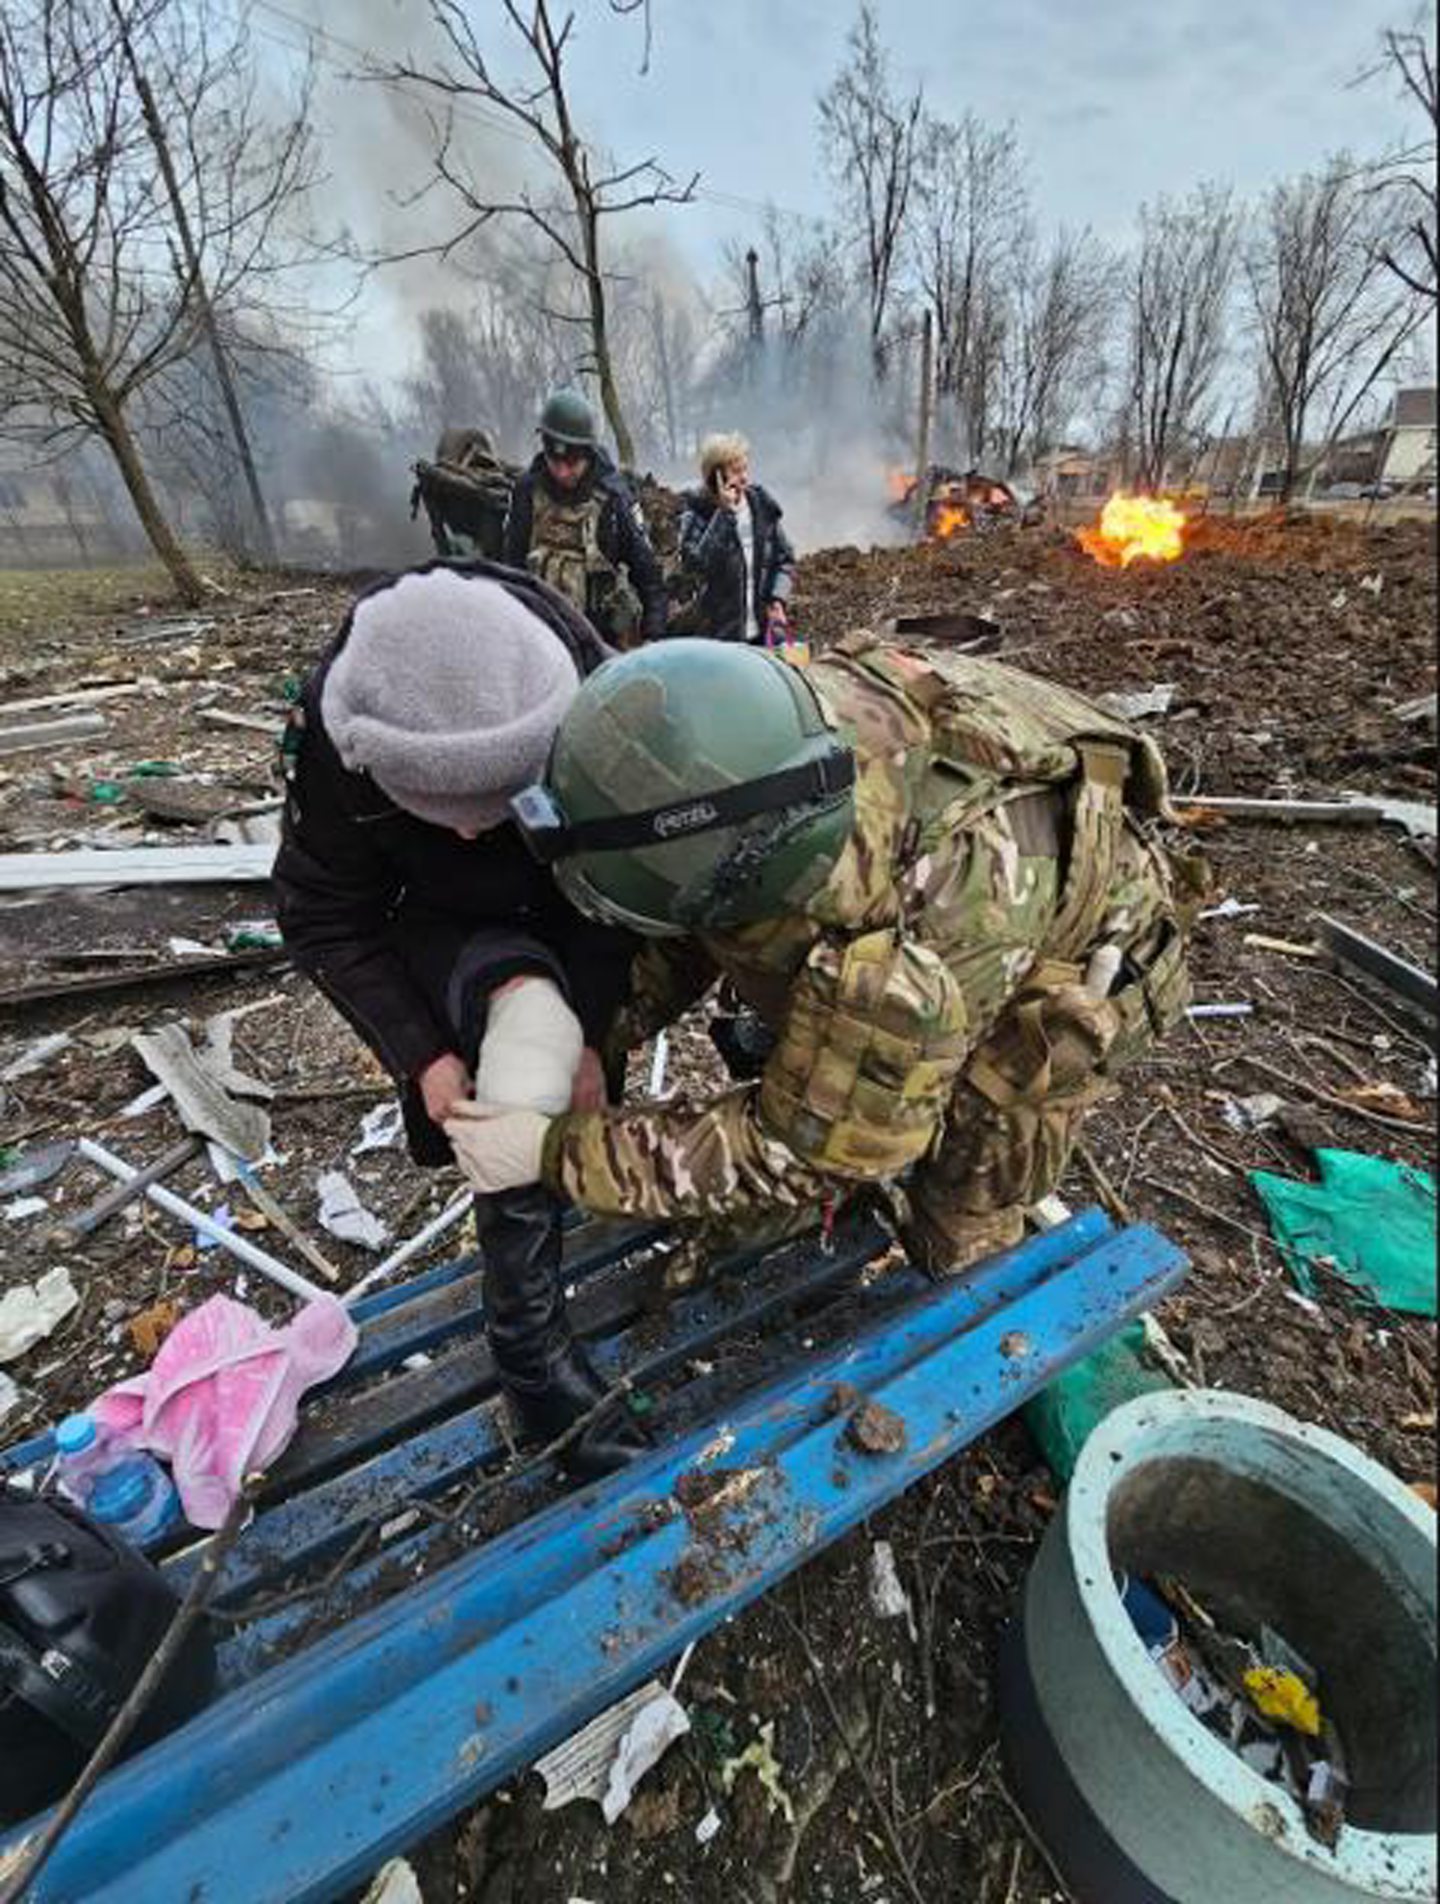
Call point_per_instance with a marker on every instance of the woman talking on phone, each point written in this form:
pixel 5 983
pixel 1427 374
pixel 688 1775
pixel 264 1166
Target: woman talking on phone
pixel 730 536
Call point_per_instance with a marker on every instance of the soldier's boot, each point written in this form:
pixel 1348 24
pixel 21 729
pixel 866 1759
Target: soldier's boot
pixel 955 1244
pixel 546 1374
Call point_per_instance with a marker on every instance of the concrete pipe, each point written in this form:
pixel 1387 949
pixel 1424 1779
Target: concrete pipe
pixel 1269 1522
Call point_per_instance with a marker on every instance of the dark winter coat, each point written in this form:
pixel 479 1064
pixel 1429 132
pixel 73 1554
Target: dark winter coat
pixel 710 547
pixel 385 912
pixel 620 533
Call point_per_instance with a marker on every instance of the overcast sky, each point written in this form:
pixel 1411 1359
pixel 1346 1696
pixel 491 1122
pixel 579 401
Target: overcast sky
pixel 1113 102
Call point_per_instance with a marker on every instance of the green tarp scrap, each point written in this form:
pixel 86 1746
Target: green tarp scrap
pixel 1373 1220
pixel 1061 1416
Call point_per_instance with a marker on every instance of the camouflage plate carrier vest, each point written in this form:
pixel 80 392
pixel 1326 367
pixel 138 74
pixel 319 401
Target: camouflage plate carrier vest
pixel 565 552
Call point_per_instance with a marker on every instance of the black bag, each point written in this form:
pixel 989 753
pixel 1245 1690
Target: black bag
pixel 81 1613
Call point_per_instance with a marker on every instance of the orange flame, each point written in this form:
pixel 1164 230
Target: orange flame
pixel 946 520
pixel 1135 527
pixel 900 483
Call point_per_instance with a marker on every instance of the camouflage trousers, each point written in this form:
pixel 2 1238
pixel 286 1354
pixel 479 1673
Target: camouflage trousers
pixel 1051 1054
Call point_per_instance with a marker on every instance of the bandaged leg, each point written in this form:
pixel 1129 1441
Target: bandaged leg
pixel 530 1049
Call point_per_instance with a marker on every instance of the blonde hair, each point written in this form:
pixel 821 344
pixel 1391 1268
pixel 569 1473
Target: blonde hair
pixel 718 452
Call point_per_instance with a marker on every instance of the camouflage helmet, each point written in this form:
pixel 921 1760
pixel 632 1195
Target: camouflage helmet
pixel 567 418
pixel 692 784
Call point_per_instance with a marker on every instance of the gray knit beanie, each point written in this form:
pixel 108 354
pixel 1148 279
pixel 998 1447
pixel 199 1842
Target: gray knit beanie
pixel 447 693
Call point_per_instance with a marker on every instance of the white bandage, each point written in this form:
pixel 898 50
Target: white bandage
pixel 530 1050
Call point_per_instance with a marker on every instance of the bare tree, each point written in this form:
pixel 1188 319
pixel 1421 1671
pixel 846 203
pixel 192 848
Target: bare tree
pixel 969 222
pixel 96 301
pixel 1329 314
pixel 869 132
pixel 1051 349
pixel 1178 297
pixel 1406 176
pixel 591 190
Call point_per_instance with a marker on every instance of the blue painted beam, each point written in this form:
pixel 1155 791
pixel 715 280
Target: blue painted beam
pixel 342 1756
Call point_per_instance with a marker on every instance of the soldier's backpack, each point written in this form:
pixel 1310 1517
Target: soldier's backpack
pixel 466 493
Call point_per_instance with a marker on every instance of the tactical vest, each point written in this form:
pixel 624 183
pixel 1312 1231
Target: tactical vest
pixel 995 734
pixel 565 552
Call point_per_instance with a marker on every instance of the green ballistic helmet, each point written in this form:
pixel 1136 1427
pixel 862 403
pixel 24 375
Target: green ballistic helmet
pixel 567 418
pixel 692 785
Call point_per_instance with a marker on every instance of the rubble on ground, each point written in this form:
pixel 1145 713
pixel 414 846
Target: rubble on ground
pixel 1291 674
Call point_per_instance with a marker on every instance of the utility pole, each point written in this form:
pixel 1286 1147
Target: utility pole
pixel 754 309
pixel 927 397
pixel 195 279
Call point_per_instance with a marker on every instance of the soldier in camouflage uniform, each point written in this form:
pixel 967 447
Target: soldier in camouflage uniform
pixel 934 878
pixel 574 523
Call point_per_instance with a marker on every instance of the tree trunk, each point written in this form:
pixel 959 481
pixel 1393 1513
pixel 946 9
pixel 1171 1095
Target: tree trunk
pixel 600 339
pixel 122 445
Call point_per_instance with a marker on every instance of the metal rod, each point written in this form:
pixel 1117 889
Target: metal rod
pixel 239 1247
pixel 435 1228
pixel 85 1221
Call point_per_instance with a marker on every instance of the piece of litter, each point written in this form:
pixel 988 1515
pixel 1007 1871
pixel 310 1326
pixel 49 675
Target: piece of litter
pixel 650 1734
pixel 1372 584
pixel 23 1207
pixel 379 1129
pixel 1284 1697
pixel 418 1360
pixel 203 1239
pixel 707 1827
pixel 1262 942
pixel 194 949
pixel 759 1757
pixel 888 1598
pixel 34 1056
pixel 1229 909
pixel 9 1394
pixel 31 1311
pixel 1133 707
pixel 1246 1114
pixel 1238 1010
pixel 152 1095
pixel 344 1215
pixel 395 1883
pixel 606 1759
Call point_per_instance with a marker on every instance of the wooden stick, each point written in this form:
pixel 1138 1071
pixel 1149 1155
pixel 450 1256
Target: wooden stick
pixel 287 1226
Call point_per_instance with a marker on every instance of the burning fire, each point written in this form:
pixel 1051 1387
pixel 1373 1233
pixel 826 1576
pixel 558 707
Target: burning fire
pixel 1135 527
pixel 900 483
pixel 946 519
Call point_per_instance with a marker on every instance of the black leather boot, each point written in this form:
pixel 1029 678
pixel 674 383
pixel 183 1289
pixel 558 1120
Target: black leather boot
pixel 544 1371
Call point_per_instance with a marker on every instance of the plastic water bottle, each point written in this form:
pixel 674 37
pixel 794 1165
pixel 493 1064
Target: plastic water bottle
pixel 81 1455
pixel 135 1497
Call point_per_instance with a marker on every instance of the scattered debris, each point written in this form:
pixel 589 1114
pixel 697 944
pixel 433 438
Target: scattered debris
pixel 32 734
pixel 31 1311
pixel 759 1758
pixel 1262 942
pixel 380 1129
pixel 708 1826
pixel 35 1057
pixel 150 1328
pixel 9 1395
pixel 888 1598
pixel 1134 707
pixel 343 1214
pixel 606 1759
pixel 202 1085
pixel 24 1207
pixel 876 1429
pixel 429 1233
pixel 1353 950
pixel 1229 909
pixel 395 1883
pixel 1239 1009
pixel 38 1165
pixel 1062 1415
pixel 1369 1221
pixel 134 866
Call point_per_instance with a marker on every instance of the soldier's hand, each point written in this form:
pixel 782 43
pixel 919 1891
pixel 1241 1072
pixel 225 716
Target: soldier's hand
pixel 443 1083
pixel 496 1149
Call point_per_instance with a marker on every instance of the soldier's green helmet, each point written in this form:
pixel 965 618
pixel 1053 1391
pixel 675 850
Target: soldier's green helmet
pixel 692 785
pixel 567 418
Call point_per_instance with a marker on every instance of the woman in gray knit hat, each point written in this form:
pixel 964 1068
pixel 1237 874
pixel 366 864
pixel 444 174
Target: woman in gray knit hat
pixel 407 895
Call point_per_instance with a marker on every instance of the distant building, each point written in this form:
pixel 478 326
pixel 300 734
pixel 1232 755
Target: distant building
pixel 1073 473
pixel 1400 452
